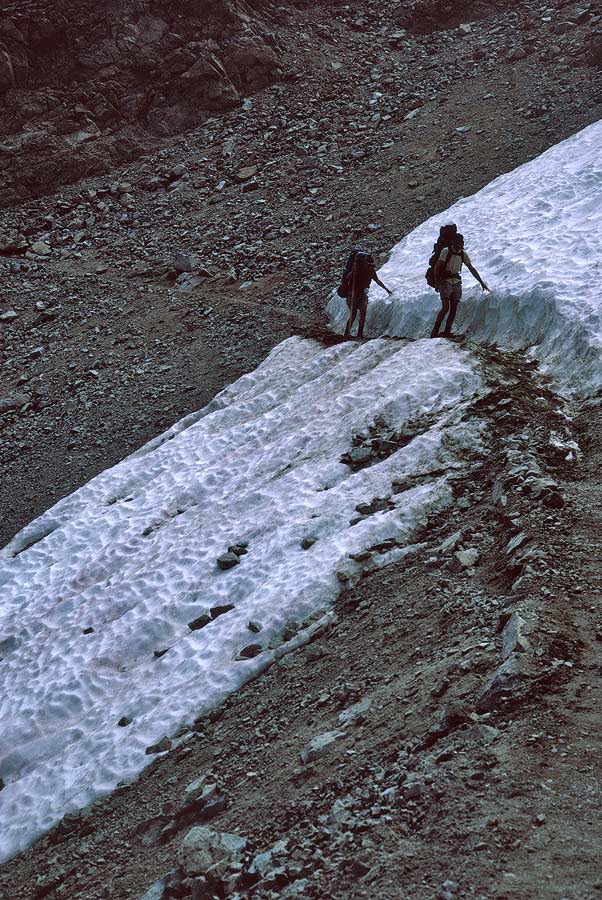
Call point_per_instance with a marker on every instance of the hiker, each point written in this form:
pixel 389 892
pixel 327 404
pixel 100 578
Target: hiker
pixel 448 281
pixel 360 272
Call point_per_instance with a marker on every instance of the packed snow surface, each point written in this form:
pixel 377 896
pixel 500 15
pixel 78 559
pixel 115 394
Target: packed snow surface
pixel 535 237
pixel 132 555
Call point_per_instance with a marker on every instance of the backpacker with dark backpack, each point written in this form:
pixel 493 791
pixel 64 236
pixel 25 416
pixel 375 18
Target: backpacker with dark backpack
pixel 446 236
pixel 357 261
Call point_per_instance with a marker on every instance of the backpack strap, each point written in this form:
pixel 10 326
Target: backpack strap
pixel 450 253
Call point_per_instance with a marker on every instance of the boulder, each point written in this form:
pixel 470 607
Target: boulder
pixel 208 852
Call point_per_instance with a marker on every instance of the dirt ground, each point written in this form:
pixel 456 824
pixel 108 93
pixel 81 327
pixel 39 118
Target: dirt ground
pixel 446 785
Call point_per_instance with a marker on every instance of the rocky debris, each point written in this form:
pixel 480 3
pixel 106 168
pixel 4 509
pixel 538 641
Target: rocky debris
pixel 381 442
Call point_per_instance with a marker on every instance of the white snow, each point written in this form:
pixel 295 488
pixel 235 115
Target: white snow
pixel 132 555
pixel 535 236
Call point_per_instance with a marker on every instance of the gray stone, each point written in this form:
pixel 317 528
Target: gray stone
pixel 502 684
pixel 185 262
pixel 513 639
pixel 319 745
pixel 355 714
pixel 517 541
pixel 413 790
pixel 155 892
pixel 41 248
pixel 450 543
pixel 464 559
pixel 208 852
pixel 360 455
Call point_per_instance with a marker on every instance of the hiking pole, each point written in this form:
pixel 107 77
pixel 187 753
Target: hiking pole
pixel 352 304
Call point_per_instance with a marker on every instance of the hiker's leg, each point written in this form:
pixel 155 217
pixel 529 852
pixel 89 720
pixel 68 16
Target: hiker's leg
pixel 442 312
pixel 454 299
pixel 363 310
pixel 352 315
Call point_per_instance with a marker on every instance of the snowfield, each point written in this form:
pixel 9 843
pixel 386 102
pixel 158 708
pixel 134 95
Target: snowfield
pixel 97 596
pixel 132 555
pixel 535 237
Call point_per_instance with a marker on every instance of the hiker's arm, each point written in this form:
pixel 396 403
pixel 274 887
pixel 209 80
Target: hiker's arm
pixel 380 284
pixel 475 274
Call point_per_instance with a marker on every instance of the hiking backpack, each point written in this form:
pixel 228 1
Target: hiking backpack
pixel 357 259
pixel 446 235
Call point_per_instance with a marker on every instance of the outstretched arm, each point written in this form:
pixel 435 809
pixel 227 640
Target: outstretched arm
pixel 380 284
pixel 475 274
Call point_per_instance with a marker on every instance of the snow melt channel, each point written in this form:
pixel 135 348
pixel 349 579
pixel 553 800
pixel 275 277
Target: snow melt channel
pixel 132 555
pixel 535 236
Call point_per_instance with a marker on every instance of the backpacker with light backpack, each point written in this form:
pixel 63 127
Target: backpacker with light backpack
pixel 446 236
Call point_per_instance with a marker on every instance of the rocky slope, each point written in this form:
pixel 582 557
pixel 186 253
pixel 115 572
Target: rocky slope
pixel 130 298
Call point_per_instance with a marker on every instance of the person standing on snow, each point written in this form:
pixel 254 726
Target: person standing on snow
pixel 448 280
pixel 357 282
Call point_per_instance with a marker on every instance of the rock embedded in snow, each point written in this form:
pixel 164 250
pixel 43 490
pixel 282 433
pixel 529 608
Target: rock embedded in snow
pixel 161 746
pixel 216 611
pixel 228 560
pixel 250 651
pixel 200 622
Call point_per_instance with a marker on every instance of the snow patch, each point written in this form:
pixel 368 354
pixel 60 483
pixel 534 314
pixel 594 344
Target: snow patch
pixel 130 559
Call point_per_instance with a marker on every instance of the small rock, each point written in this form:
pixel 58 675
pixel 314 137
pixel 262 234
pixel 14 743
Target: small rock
pixel 228 560
pixel 464 559
pixel 355 714
pixel 250 651
pixel 320 745
pixel 185 262
pixel 208 852
pixel 161 746
pixel 513 639
pixel 217 611
pixel 255 627
pixel 199 623
pixel 413 790
pixel 41 248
